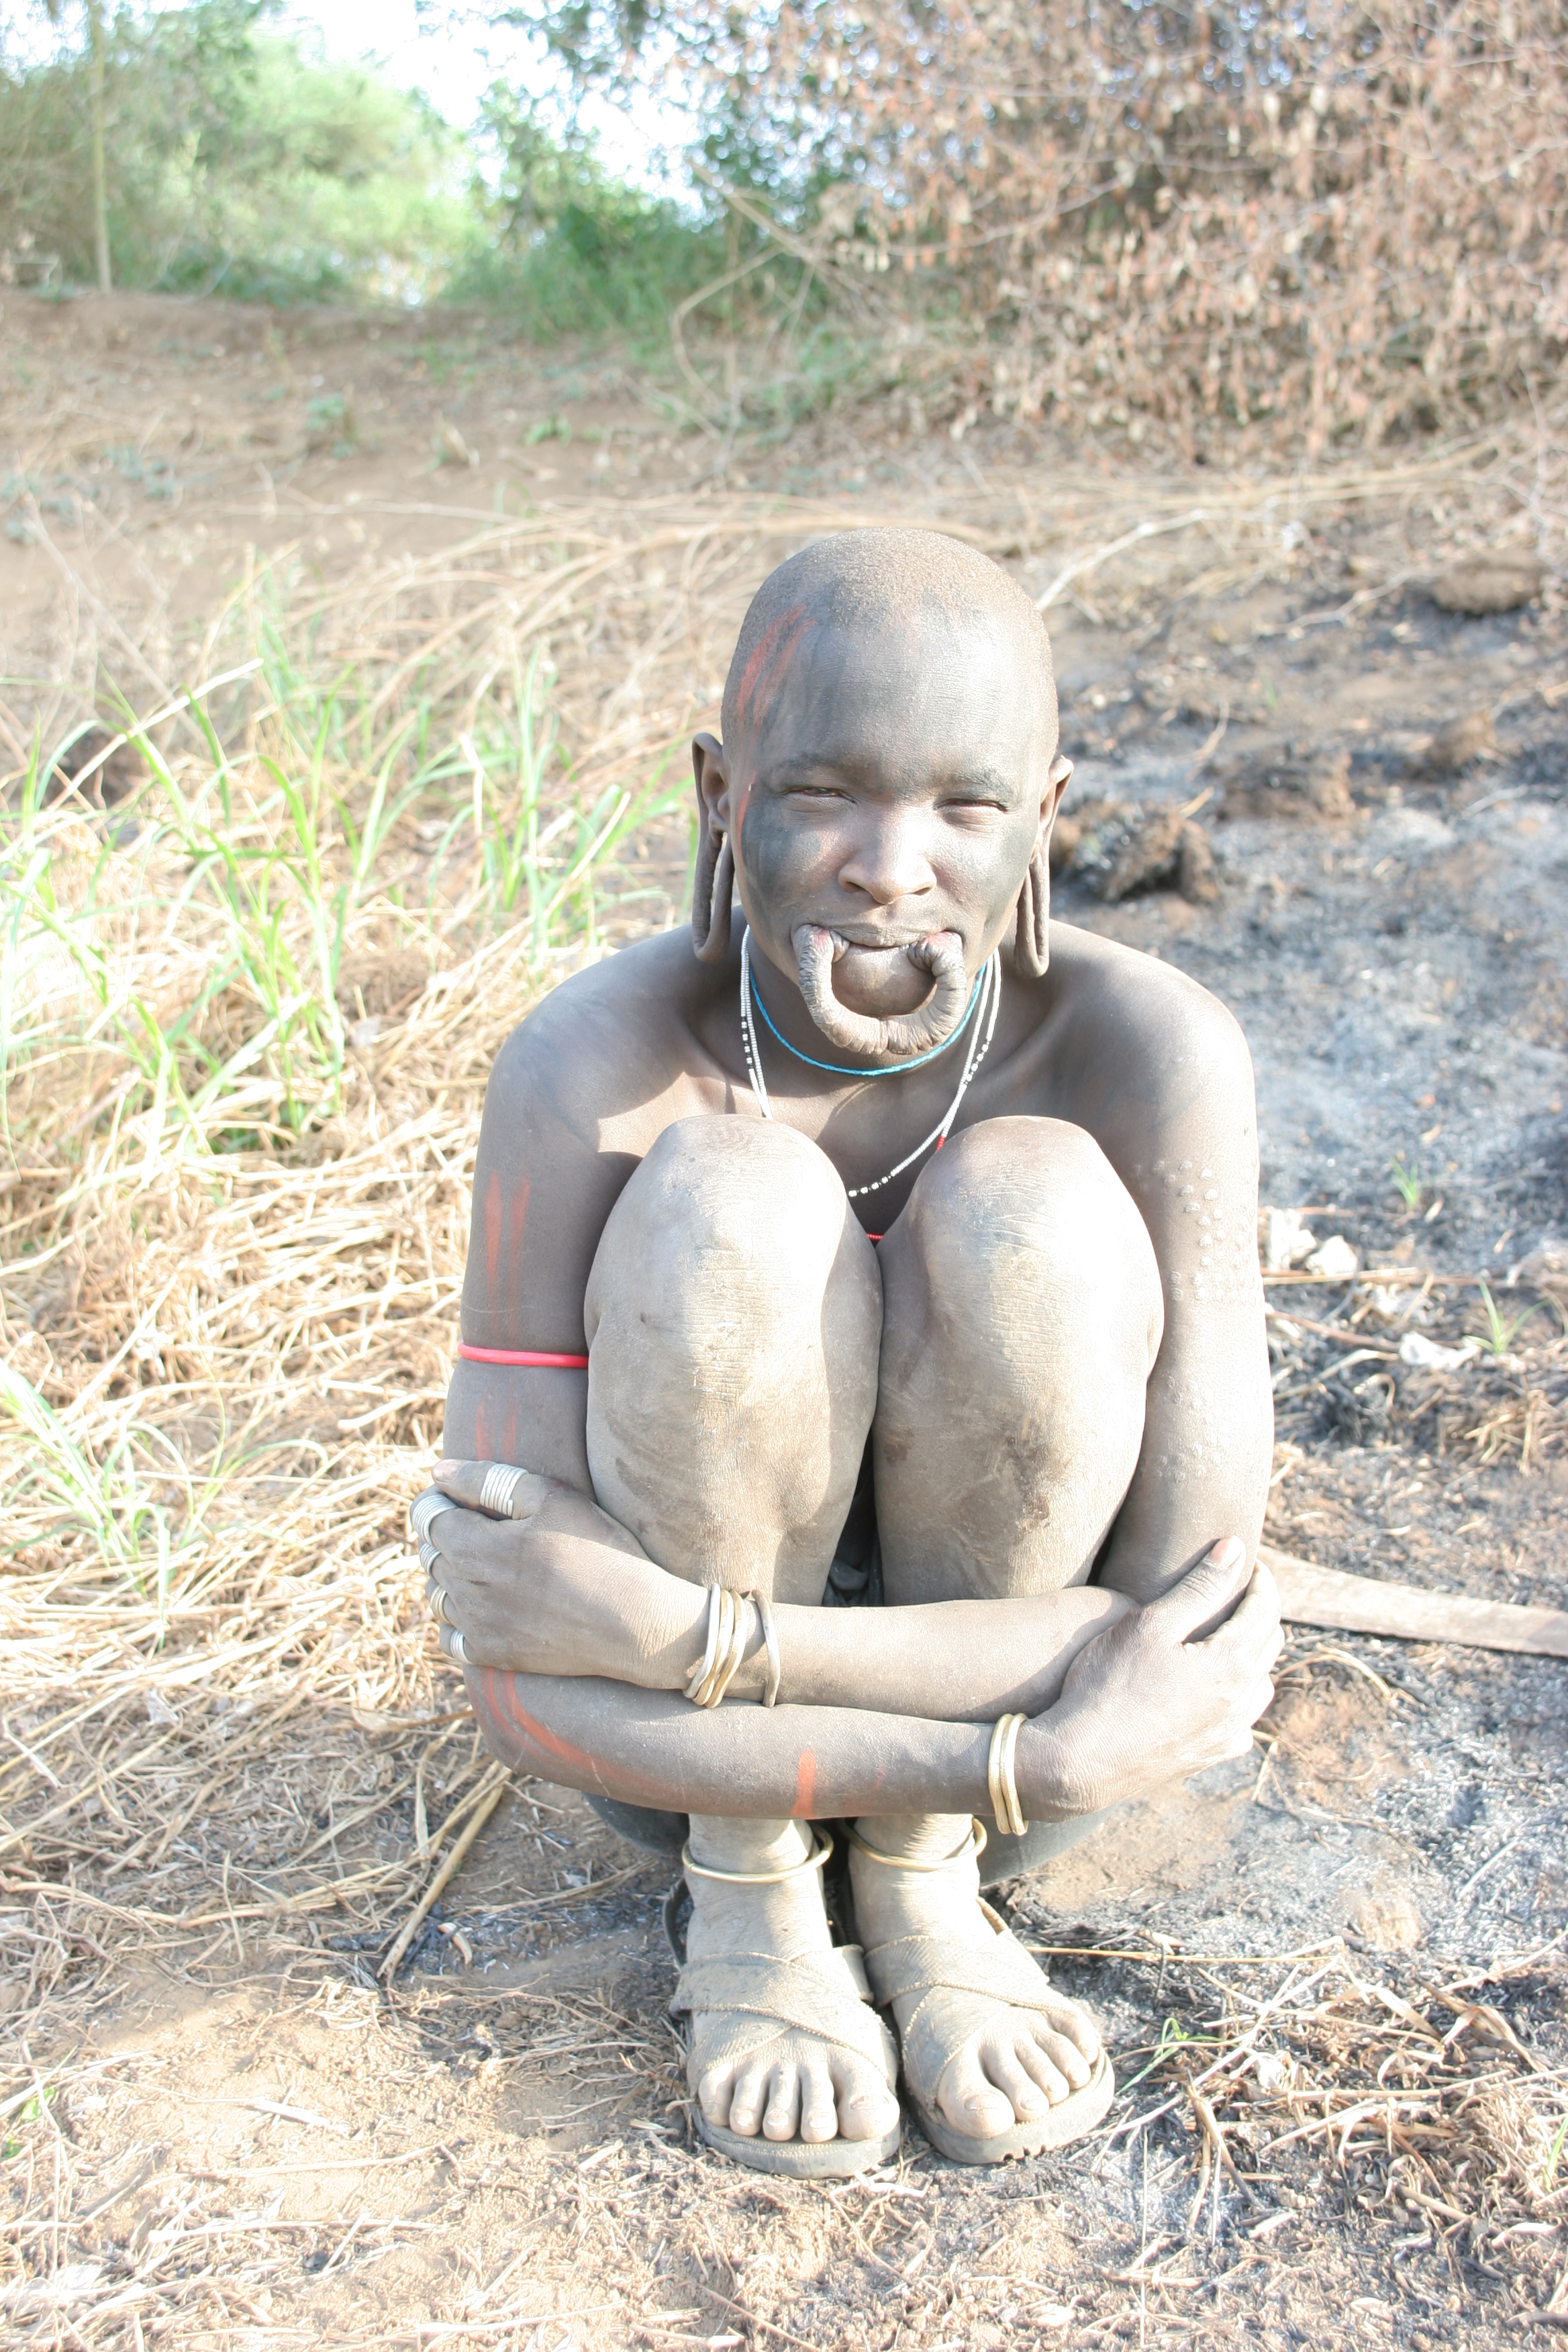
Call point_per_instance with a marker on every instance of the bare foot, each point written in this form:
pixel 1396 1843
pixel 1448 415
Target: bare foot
pixel 748 2075
pixel 1007 2066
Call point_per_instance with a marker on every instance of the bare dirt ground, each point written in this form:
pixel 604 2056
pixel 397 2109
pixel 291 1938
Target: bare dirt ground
pixel 1333 1976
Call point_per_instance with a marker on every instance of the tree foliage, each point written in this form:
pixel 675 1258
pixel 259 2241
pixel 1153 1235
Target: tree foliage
pixel 1330 219
pixel 236 161
pixel 241 162
pixel 569 246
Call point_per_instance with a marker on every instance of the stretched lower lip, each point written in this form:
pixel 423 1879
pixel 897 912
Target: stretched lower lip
pixel 883 947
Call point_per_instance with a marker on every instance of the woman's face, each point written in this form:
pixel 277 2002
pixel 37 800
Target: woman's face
pixel 889 783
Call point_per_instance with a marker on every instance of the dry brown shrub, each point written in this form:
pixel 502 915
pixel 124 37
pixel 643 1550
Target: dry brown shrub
pixel 1309 226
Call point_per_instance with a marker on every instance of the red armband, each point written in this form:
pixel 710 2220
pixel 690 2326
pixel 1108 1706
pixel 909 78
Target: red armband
pixel 521 1356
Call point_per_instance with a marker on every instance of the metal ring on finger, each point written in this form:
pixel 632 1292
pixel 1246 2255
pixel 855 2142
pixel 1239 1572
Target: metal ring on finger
pixel 501 1482
pixel 428 1506
pixel 439 1599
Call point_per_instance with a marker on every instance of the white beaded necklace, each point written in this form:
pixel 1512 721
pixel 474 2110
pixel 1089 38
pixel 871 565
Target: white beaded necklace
pixel 980 1038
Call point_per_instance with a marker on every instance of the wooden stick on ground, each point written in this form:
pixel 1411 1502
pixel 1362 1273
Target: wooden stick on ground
pixel 444 1876
pixel 1309 1595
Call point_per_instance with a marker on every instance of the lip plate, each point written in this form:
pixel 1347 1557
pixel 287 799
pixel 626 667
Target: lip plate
pixel 863 946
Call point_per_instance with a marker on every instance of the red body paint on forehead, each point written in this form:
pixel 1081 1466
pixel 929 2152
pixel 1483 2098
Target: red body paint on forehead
pixel 776 644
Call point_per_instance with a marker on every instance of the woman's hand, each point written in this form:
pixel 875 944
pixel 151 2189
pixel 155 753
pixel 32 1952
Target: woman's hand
pixel 1154 1698
pixel 552 1584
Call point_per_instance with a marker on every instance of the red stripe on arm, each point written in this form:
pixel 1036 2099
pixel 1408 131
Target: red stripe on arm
pixel 493 1212
pixel 521 1356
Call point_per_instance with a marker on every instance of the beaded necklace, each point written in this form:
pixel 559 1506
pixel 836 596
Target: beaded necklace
pixel 984 1006
pixel 842 1070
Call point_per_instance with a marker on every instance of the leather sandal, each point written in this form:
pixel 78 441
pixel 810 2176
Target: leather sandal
pixel 1000 1972
pixel 825 1994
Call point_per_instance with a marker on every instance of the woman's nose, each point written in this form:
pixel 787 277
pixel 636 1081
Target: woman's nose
pixel 889 863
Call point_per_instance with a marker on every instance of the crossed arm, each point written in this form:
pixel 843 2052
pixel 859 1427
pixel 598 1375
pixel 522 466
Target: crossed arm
pixel 581 1644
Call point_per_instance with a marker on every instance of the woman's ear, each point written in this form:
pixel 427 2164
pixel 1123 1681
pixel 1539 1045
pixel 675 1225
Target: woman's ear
pixel 1032 939
pixel 714 879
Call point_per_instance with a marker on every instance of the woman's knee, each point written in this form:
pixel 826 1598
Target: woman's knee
pixel 733 1317
pixel 1024 1225
pixel 728 1231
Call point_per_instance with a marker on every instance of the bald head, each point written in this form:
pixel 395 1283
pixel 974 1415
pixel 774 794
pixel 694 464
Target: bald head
pixel 863 584
pixel 886 782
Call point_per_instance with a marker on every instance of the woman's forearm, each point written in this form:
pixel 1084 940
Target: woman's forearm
pixel 648 1748
pixel 1144 1703
pixel 944 1661
pixel 553 1593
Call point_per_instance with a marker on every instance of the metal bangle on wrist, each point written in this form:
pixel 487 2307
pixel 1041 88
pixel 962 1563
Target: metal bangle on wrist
pixel 1006 1808
pixel 732 1619
pixel 771 1644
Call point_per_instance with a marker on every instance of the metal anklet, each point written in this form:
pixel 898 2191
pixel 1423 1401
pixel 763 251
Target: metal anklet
pixel 1006 1808
pixel 973 1844
pixel 758 1877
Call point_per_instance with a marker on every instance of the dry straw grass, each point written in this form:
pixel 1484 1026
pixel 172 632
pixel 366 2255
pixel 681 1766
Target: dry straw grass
pixel 1428 2093
pixel 247 1019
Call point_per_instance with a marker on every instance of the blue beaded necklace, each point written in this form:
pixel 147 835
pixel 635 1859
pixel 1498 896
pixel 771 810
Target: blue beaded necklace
pixel 987 997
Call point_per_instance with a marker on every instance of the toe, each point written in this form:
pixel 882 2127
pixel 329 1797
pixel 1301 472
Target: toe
pixel 1031 2096
pixel 1038 2059
pixel 866 2107
pixel 781 2119
pixel 818 2107
pixel 970 2100
pixel 1063 2057
pixel 1075 2025
pixel 748 2098
pixel 715 2095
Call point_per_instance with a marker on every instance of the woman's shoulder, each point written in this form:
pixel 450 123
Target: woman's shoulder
pixel 630 1013
pixel 1140 1003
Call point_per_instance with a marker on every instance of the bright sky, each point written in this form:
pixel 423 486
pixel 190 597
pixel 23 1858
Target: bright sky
pixel 450 67
pixel 455 66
